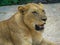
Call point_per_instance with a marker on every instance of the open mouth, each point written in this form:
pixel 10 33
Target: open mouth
pixel 38 27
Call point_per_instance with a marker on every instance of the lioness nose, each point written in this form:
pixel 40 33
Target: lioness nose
pixel 44 19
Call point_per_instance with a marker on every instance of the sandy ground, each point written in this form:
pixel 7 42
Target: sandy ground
pixel 52 27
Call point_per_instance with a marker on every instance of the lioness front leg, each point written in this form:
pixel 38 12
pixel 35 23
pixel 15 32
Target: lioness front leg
pixel 46 42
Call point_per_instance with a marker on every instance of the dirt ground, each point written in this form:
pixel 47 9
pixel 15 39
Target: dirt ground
pixel 52 27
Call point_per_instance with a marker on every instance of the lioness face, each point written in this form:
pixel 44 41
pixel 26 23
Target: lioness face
pixel 34 17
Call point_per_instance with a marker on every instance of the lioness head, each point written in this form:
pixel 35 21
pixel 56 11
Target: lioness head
pixel 33 15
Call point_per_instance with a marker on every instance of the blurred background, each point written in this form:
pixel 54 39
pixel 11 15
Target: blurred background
pixel 15 2
pixel 52 9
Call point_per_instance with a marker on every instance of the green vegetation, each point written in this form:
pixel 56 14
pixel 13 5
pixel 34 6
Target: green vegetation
pixel 13 2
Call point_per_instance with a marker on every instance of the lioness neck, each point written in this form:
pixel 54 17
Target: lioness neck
pixel 18 19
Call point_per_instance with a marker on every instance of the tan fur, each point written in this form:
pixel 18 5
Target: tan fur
pixel 20 28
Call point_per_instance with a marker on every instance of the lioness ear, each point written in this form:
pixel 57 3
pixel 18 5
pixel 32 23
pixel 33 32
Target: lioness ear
pixel 41 5
pixel 22 9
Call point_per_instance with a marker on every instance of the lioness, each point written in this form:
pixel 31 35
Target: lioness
pixel 25 27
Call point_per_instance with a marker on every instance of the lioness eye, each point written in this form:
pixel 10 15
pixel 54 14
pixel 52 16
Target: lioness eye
pixel 35 13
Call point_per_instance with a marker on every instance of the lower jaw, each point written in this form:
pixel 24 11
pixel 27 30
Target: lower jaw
pixel 39 29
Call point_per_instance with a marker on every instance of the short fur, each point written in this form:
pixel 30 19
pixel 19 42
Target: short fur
pixel 20 28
